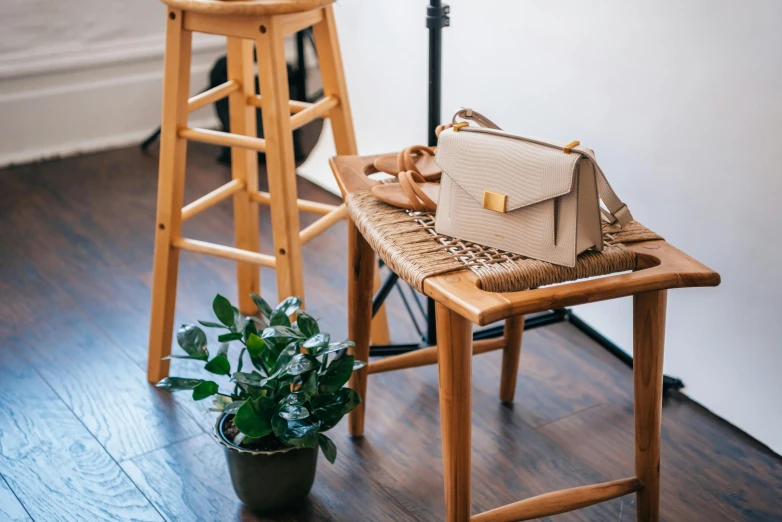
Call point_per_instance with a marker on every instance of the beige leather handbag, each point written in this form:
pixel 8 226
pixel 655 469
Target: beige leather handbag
pixel 524 195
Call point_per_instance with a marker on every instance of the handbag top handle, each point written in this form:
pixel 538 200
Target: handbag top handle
pixel 617 211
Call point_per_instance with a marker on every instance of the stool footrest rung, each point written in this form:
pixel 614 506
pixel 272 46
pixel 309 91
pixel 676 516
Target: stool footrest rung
pixel 339 213
pixel 223 138
pixel 295 106
pixel 320 108
pixel 303 204
pixel 227 252
pixel 212 95
pixel 428 355
pixel 212 199
pixel 560 501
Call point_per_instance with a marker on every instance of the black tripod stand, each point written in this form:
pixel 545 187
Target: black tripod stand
pixel 436 19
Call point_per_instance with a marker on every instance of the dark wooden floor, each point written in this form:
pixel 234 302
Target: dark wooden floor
pixel 84 437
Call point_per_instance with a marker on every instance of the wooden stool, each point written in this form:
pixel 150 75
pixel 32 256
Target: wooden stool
pixel 460 303
pixel 264 23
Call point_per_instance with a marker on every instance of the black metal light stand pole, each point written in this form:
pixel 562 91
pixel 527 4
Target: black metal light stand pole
pixel 436 19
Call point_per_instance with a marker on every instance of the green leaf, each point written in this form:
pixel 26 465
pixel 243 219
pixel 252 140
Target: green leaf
pixel 328 447
pixel 178 383
pixel 204 389
pixel 336 347
pixel 249 379
pixel 288 353
pixel 290 305
pixel 228 337
pixel 210 324
pixel 337 374
pixel 250 328
pixel 281 332
pixel 298 433
pixel 317 341
pixel 279 318
pixel 241 438
pixel 192 340
pixel 301 363
pixel 329 409
pixel 261 322
pixel 219 365
pixel 223 310
pixel 310 386
pixel 254 417
pixel 233 407
pixel 306 324
pixel 293 412
pixel 255 345
pixel 262 305
pixel 239 321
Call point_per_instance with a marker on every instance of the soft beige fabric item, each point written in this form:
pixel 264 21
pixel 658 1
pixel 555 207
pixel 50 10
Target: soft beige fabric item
pixel 551 198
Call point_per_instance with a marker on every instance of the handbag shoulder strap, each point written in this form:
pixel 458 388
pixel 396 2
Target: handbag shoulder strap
pixel 617 210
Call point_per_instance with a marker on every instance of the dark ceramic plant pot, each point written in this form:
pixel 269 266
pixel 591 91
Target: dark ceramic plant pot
pixel 268 481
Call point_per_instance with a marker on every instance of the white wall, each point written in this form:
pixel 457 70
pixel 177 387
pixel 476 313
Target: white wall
pixel 682 102
pixel 84 75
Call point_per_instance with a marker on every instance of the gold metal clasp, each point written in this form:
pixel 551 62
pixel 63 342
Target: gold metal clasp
pixel 567 148
pixel 459 125
pixel 494 201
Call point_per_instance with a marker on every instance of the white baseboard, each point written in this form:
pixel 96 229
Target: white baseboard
pixel 88 99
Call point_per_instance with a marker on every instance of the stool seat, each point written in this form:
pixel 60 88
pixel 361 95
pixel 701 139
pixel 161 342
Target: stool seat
pixel 655 264
pixel 247 7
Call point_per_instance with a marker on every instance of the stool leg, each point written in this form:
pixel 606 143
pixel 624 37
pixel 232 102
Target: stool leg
pixel 511 353
pixel 280 162
pixel 361 263
pixel 244 167
pixel 454 352
pixel 333 75
pixel 648 339
pixel 171 185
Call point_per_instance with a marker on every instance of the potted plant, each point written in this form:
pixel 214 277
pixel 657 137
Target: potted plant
pixel 273 419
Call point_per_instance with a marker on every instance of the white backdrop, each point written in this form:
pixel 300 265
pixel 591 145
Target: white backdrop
pixel 682 102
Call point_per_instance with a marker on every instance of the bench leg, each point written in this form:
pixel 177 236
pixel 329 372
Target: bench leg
pixel 511 353
pixel 454 349
pixel 648 340
pixel 361 270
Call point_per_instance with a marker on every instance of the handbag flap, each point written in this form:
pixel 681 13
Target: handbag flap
pixel 489 160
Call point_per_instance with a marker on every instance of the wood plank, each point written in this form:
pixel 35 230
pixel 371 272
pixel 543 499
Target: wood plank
pixel 51 462
pixel 92 376
pixel 189 481
pixel 556 381
pixel 706 466
pixel 10 508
